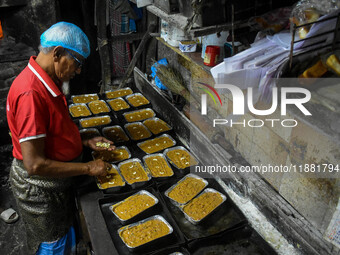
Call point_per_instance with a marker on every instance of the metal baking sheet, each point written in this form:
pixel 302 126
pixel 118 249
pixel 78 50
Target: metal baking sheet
pixel 97 117
pixel 166 162
pixel 140 162
pixel 140 125
pixel 100 112
pixel 142 192
pixel 178 148
pixel 210 190
pixel 88 98
pixel 137 94
pixel 105 131
pixel 166 193
pixel 154 139
pixel 156 217
pixel 116 99
pixel 113 188
pixel 156 120
pixel 117 148
pixel 126 90
pixel 82 105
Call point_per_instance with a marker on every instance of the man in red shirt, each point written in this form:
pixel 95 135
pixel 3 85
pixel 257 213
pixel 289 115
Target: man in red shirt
pixel 46 142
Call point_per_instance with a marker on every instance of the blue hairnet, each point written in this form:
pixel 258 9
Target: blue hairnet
pixel 68 36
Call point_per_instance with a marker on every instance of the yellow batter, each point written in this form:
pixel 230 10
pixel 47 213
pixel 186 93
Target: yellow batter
pixel 84 98
pixel 181 158
pixel 98 107
pixel 139 115
pixel 116 134
pixel 156 126
pixel 96 121
pixel 158 166
pixel 144 233
pixel 118 104
pixel 79 110
pixel 201 206
pixel 133 205
pixel 137 131
pixel 118 93
pixel 112 156
pixel 156 144
pixel 112 179
pixel 186 190
pixel 137 100
pixel 133 172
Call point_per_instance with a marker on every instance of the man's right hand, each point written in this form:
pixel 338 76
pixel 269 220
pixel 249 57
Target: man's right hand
pixel 98 167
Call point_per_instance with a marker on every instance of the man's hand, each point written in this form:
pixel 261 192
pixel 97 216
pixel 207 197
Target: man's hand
pixel 98 168
pixel 99 143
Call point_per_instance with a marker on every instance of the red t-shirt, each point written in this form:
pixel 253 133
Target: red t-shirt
pixel 37 108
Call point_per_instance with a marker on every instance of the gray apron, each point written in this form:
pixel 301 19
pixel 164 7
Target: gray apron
pixel 46 205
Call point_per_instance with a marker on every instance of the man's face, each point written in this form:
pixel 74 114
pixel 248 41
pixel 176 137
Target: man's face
pixel 69 64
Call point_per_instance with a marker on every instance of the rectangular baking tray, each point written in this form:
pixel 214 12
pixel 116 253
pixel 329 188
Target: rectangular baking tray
pixel 104 116
pixel 139 124
pixel 158 119
pixel 178 148
pixel 79 104
pixel 161 155
pixel 165 135
pixel 116 126
pixel 135 184
pixel 166 193
pixel 85 95
pixel 134 217
pixel 120 147
pixel 116 188
pixel 85 137
pixel 149 109
pixel 99 113
pixel 118 98
pixel 151 243
pixel 139 106
pixel 224 198
pixel 127 88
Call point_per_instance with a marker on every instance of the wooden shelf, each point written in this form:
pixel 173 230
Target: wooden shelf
pixel 193 57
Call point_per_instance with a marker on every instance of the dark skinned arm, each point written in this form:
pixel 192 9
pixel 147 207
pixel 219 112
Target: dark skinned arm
pixel 36 163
